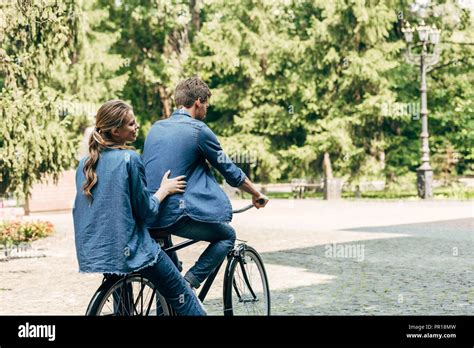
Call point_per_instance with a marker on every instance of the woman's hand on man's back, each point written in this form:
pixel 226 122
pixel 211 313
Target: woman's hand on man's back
pixel 170 186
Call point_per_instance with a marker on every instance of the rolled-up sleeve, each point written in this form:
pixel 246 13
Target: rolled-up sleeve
pixel 144 205
pixel 212 151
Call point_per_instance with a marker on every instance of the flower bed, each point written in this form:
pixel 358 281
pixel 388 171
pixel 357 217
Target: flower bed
pixel 16 232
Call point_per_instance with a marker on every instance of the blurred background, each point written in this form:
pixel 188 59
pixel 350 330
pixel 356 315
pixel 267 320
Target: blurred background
pixel 302 91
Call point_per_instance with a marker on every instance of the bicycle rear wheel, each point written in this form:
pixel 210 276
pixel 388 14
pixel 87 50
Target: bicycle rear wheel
pixel 246 289
pixel 131 295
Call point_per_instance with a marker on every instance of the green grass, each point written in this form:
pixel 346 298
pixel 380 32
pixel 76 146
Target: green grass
pixel 288 195
pixel 439 193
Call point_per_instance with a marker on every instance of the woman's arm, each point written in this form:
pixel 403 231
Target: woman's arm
pixel 143 203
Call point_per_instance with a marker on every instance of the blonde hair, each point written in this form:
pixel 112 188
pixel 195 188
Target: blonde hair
pixel 112 114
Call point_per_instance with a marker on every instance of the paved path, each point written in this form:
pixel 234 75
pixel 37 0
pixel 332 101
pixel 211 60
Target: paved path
pixel 322 258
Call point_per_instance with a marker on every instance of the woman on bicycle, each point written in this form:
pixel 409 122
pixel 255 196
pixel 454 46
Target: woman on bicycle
pixel 112 204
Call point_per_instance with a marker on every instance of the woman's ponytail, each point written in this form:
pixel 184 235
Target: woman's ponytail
pixel 91 164
pixel 110 115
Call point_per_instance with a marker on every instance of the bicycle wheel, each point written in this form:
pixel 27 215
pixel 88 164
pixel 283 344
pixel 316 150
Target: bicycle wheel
pixel 246 289
pixel 131 295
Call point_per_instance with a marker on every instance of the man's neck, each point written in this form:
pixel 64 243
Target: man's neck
pixel 190 111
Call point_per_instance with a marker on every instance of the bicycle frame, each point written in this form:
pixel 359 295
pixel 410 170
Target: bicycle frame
pixel 208 283
pixel 212 276
pixel 236 252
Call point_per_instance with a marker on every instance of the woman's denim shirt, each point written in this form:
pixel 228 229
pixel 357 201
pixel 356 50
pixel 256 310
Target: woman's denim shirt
pixel 186 146
pixel 110 232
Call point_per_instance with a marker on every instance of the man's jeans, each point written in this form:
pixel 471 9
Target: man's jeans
pixel 221 237
pixel 172 286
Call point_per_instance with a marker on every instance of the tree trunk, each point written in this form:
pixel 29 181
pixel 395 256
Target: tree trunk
pixel 165 101
pixel 176 43
pixel 195 18
pixel 327 167
pixel 382 158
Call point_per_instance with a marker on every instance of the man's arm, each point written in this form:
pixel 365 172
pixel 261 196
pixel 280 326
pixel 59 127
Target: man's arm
pixel 250 188
pixel 212 151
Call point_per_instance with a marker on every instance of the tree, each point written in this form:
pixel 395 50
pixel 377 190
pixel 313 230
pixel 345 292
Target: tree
pixel 321 82
pixel 154 39
pixel 451 88
pixel 450 96
pixel 93 74
pixel 300 83
pixel 305 78
pixel 246 59
pixel 35 35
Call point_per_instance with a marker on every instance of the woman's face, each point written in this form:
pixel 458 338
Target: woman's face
pixel 128 132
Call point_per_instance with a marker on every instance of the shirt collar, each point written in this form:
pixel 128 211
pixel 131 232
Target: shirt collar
pixel 180 112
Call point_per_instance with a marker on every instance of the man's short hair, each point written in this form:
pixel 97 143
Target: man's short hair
pixel 189 90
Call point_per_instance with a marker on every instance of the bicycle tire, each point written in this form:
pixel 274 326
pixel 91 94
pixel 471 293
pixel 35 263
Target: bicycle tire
pixel 112 288
pixel 232 297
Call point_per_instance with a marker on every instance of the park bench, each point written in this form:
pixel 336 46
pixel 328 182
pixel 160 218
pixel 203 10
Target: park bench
pixel 300 186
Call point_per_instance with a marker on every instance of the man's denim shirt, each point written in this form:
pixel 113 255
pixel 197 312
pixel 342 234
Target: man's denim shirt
pixel 110 233
pixel 183 145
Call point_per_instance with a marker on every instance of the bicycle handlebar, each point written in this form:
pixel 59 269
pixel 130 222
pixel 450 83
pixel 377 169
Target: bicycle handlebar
pixel 250 206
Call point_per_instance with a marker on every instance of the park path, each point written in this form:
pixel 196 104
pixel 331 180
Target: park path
pixel 413 258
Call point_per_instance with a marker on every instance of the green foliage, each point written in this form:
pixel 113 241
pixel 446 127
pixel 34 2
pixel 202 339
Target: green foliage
pixel 313 88
pixel 295 80
pixel 253 152
pixel 93 74
pixel 34 141
pixel 292 82
pixel 450 97
pixel 153 38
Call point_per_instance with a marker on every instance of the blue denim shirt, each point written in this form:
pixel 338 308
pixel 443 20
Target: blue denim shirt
pixel 110 233
pixel 184 144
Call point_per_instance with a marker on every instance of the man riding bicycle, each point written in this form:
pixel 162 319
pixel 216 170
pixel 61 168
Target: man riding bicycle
pixel 185 144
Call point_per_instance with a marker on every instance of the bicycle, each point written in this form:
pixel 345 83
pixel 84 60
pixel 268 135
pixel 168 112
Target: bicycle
pixel 245 291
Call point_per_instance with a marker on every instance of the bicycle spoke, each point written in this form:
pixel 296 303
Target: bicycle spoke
pixel 132 295
pixel 255 308
pixel 234 285
pixel 243 291
pixel 140 298
pixel 123 298
pixel 151 302
pixel 244 273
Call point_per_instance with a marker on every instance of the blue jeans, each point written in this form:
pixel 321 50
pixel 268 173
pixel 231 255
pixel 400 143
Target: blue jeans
pixel 221 237
pixel 169 282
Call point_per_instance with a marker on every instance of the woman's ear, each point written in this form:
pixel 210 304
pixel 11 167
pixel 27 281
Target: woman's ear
pixel 115 132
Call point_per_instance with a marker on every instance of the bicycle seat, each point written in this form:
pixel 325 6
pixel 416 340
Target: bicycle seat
pixel 156 233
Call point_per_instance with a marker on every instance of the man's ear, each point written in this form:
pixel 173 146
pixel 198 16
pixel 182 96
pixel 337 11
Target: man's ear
pixel 197 103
